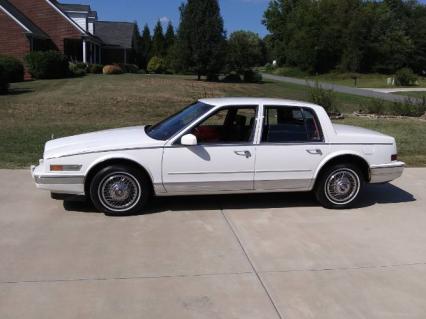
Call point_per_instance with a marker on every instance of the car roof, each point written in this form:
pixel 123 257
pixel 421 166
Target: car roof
pixel 226 101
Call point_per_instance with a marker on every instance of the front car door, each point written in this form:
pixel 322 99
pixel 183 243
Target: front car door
pixel 291 148
pixel 222 161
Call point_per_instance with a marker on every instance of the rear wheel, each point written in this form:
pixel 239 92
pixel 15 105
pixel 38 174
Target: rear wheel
pixel 120 190
pixel 339 186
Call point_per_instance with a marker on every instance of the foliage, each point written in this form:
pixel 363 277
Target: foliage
pixel 47 64
pixel 377 106
pixel 158 41
pixel 351 35
pixel 244 51
pixel 112 69
pixel 169 37
pixel 145 44
pixel 95 68
pixel 251 76
pixel 405 77
pixel 78 69
pixel 324 98
pixel 232 78
pixel 201 38
pixel 13 69
pixel 409 107
pixel 128 68
pixel 156 65
pixel 4 83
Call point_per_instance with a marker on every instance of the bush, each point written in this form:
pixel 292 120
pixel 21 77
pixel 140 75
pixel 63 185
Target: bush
pixel 156 65
pixel 95 68
pixel 47 65
pixel 112 69
pixel 141 71
pixel 377 106
pixel 78 69
pixel 13 69
pixel 324 98
pixel 408 108
pixel 232 78
pixel 129 68
pixel 405 77
pixel 251 76
pixel 4 84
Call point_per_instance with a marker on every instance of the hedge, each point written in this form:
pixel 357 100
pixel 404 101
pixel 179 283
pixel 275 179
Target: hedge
pixel 13 69
pixel 4 84
pixel 47 65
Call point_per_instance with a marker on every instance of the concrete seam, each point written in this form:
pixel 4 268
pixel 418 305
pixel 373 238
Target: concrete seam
pixel 268 294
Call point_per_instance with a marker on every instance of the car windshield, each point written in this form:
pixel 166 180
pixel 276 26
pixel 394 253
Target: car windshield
pixel 175 123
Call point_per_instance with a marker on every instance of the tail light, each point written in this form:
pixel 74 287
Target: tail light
pixel 394 157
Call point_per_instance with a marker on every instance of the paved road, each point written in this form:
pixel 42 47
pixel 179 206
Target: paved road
pixel 339 88
pixel 259 256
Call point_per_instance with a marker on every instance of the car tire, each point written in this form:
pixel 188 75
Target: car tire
pixel 120 190
pixel 339 186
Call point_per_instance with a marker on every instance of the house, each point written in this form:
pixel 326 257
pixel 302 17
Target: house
pixel 73 29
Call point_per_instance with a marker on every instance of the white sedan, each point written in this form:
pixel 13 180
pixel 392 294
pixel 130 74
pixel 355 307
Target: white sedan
pixel 220 146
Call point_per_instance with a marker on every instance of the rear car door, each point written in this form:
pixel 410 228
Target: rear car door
pixel 291 148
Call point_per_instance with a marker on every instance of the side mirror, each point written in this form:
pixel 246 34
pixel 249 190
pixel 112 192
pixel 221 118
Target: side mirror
pixel 189 140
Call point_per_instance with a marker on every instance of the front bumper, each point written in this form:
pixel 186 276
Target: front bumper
pixel 386 172
pixel 60 184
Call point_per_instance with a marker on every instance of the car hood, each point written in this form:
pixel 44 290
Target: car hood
pixel 102 141
pixel 361 135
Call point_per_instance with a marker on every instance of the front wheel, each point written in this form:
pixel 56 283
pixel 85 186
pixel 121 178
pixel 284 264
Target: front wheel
pixel 339 186
pixel 120 190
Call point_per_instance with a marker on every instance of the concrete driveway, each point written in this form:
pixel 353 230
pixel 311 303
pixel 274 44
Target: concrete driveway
pixel 258 256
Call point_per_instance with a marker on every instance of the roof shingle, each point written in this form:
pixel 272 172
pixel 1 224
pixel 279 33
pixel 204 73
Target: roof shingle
pixel 116 33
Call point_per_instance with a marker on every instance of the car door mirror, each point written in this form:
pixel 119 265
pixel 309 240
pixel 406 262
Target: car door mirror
pixel 189 140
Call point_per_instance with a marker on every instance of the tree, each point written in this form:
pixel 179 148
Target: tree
pixel 201 38
pixel 158 41
pixel 145 47
pixel 244 51
pixel 170 36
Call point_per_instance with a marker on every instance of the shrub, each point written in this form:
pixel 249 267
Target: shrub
pixel 377 106
pixel 325 98
pixel 408 108
pixel 13 69
pixel 251 76
pixel 47 64
pixel 405 77
pixel 95 68
pixel 112 69
pixel 141 71
pixel 129 68
pixel 232 78
pixel 156 65
pixel 4 84
pixel 78 69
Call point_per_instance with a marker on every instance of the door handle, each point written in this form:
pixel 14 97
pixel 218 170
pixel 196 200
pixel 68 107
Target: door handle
pixel 314 152
pixel 247 154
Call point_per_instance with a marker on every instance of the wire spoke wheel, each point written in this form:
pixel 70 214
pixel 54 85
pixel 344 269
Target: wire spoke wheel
pixel 119 191
pixel 342 186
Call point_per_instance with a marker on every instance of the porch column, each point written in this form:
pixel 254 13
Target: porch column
pixel 84 51
pixel 100 55
pixel 125 56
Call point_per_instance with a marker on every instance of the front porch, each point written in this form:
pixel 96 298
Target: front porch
pixel 83 50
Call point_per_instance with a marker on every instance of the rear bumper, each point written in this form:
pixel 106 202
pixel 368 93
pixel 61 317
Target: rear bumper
pixel 386 172
pixel 60 184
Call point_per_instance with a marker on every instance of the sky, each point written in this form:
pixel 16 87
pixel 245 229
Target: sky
pixel 237 14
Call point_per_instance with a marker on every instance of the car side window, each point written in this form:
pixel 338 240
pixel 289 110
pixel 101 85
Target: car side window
pixel 227 126
pixel 284 124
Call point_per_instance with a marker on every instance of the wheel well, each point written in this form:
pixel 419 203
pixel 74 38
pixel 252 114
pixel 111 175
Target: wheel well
pixel 116 161
pixel 353 159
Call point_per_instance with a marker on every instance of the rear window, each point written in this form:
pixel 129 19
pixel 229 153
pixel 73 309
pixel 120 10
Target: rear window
pixel 285 124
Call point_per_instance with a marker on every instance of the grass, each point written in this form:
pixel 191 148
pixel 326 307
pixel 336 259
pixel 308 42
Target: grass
pixel 418 95
pixel 373 80
pixel 36 110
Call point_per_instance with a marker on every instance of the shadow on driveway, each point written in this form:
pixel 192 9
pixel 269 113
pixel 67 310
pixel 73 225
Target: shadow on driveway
pixel 372 195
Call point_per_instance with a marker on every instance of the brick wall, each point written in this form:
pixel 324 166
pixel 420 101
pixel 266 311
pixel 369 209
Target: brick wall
pixel 49 20
pixel 13 41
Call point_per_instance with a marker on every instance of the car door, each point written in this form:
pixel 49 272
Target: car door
pixel 222 161
pixel 290 149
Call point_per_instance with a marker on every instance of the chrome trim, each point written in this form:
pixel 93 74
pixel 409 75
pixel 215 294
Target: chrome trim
pixel 211 172
pixel 300 184
pixel 386 172
pixel 284 171
pixel 200 187
pixel 59 180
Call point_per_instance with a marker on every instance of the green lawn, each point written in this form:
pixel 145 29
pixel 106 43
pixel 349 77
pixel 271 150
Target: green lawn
pixel 418 95
pixel 36 110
